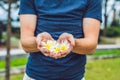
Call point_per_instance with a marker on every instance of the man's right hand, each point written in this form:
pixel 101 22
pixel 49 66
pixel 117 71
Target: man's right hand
pixel 43 37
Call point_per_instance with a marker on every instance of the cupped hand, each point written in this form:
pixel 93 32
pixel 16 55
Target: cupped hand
pixel 43 37
pixel 70 39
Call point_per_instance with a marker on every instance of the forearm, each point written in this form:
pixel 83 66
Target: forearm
pixel 84 46
pixel 29 44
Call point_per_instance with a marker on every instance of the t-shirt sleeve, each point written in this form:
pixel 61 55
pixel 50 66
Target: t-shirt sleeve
pixel 94 10
pixel 27 7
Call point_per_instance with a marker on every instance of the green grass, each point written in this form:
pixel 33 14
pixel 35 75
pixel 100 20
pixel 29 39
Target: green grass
pixel 4 36
pixel 14 62
pixel 103 70
pixel 95 70
pixel 14 77
pixel 107 52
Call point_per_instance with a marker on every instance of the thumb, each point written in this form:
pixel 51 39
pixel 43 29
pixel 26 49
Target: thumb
pixel 38 41
pixel 72 41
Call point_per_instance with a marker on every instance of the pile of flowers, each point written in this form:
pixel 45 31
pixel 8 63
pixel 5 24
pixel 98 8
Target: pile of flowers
pixel 55 47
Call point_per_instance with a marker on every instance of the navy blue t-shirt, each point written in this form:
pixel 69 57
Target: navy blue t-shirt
pixel 56 17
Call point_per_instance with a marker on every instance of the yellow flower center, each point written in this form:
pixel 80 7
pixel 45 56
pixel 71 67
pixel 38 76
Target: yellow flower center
pixel 57 50
pixel 48 46
pixel 63 48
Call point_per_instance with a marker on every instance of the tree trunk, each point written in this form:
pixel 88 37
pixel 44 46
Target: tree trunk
pixel 114 14
pixel 105 16
pixel 7 76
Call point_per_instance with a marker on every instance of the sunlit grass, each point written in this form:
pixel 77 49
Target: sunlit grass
pixel 14 62
pixel 14 77
pixel 103 70
pixel 107 52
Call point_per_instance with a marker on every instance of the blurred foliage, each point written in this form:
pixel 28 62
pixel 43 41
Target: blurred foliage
pixel 113 31
pixel 115 23
pixel 109 40
pixel 2 26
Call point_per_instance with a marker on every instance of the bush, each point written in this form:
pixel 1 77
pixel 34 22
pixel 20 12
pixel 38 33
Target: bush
pixel 115 23
pixel 113 32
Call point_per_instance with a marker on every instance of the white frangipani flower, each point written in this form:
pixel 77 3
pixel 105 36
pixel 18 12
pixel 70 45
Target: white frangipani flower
pixel 64 45
pixel 49 44
pixel 56 47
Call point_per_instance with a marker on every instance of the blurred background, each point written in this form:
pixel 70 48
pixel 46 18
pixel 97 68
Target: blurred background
pixel 103 65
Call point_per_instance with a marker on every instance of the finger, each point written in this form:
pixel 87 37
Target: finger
pixel 51 54
pixel 63 55
pixel 39 47
pixel 46 54
pixel 71 40
pixel 58 55
pixel 44 51
pixel 39 42
pixel 45 36
pixel 50 38
pixel 70 48
pixel 60 39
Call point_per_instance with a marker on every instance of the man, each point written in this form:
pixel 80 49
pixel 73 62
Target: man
pixel 77 21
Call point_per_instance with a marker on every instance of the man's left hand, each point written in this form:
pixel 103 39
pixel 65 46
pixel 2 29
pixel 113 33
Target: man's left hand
pixel 70 39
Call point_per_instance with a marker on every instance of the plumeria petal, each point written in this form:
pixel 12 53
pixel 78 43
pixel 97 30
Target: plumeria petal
pixel 55 47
